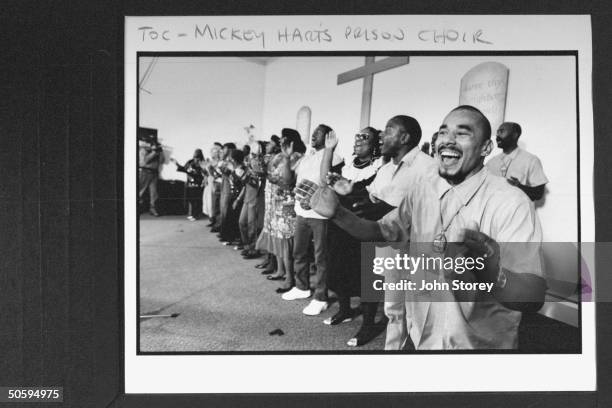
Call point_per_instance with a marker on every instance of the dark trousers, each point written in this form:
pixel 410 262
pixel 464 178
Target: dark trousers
pixel 229 223
pixel 215 207
pixel 248 224
pixel 147 178
pixel 194 201
pixel 307 229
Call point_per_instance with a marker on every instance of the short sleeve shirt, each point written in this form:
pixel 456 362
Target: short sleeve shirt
pixel 499 210
pixel 522 165
pixel 393 181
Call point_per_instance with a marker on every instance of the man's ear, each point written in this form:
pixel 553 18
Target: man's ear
pixel 487 148
pixel 405 138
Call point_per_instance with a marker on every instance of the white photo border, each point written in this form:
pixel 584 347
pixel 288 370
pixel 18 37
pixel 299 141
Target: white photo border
pixel 398 372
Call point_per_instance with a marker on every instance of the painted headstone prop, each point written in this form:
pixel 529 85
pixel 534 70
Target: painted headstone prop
pixel 302 124
pixel 485 87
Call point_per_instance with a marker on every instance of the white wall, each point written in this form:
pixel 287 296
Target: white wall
pixel 297 81
pixel 195 102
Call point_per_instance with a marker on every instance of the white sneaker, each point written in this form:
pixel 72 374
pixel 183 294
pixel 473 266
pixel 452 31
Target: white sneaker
pixel 315 307
pixel 296 293
pixel 190 218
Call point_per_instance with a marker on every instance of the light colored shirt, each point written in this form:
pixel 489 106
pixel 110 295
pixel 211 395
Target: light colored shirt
pixel 309 168
pixel 521 164
pixel 503 213
pixel 355 174
pixel 394 181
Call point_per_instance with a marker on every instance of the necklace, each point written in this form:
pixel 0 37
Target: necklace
pixel 506 164
pixel 361 165
pixel 440 242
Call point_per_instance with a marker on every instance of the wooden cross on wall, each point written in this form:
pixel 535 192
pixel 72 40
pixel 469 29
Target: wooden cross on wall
pixel 367 72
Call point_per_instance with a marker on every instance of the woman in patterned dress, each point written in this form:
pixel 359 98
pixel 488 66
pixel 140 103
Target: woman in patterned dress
pixel 279 223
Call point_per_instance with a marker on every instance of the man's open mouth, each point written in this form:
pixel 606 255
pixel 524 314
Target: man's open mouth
pixel 449 156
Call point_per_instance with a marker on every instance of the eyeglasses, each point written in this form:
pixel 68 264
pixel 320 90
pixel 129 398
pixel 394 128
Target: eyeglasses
pixel 362 136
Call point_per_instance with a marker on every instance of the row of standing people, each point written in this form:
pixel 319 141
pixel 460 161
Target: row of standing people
pixel 259 202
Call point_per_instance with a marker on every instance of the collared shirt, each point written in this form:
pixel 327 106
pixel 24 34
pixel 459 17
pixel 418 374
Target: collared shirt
pixel 521 164
pixel 499 210
pixel 309 168
pixel 394 181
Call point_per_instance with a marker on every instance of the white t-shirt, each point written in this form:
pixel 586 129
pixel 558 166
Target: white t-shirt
pixel 309 168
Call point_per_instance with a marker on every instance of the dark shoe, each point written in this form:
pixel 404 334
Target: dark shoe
pixel 270 277
pixel 366 334
pixel 283 290
pixel 262 265
pixel 340 317
pixel 238 247
pixel 267 271
pixel 252 255
pixel 215 229
pixel 244 252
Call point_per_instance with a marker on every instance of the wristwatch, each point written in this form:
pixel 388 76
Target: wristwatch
pixel 502 279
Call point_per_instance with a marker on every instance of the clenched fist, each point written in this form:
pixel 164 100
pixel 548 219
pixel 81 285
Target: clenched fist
pixel 325 202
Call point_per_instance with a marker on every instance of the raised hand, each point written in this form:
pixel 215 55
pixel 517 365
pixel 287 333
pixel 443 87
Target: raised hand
pixel 288 149
pixel 331 140
pixel 325 202
pixel 304 191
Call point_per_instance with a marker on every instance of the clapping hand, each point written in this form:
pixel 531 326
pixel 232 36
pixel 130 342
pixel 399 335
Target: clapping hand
pixel 325 202
pixel 304 191
pixel 481 245
pixel 340 184
pixel 288 149
pixel 513 181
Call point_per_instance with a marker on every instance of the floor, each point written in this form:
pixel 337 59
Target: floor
pixel 223 303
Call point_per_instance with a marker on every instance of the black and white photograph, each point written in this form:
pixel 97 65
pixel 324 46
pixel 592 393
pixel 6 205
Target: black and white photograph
pixel 306 204
pixel 357 203
pixel 233 258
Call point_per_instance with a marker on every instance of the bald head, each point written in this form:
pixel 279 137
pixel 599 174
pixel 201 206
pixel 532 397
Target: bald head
pixel 507 136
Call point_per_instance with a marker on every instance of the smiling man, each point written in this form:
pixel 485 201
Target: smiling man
pixel 521 168
pixel 467 205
